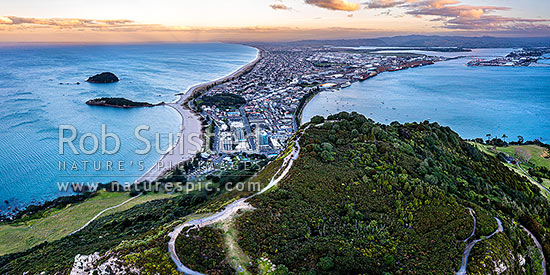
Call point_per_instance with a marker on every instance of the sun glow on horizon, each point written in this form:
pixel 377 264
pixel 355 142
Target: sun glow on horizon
pixel 264 20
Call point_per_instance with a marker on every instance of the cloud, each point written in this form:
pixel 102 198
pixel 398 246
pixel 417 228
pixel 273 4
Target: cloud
pixel 493 22
pixel 433 4
pixel 64 22
pixel 455 15
pixel 341 5
pixel 383 4
pixel 5 20
pixel 28 29
pixel 462 11
pixel 181 34
pixel 280 7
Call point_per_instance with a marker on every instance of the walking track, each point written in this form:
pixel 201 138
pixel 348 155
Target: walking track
pixel 228 211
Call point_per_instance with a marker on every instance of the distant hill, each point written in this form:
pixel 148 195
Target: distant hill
pixel 434 41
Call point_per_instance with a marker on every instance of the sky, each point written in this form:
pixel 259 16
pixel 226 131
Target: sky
pixel 264 20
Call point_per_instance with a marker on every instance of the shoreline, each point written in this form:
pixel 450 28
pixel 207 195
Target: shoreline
pixel 181 106
pixel 191 133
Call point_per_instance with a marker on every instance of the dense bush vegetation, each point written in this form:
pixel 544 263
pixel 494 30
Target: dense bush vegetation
pixel 540 172
pixel 372 198
pixel 202 249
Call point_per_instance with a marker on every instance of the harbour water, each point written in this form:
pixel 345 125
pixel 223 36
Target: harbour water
pixel 38 85
pixel 473 101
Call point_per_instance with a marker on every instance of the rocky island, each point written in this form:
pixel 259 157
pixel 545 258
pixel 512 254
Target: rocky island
pixel 119 102
pixel 105 77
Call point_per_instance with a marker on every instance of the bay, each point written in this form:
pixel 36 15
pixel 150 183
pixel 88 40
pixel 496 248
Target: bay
pixel 38 85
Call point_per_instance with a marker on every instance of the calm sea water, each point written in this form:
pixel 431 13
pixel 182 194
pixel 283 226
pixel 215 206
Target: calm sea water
pixel 34 105
pixel 473 101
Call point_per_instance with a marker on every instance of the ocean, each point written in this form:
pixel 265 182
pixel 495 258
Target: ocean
pixel 473 101
pixel 38 85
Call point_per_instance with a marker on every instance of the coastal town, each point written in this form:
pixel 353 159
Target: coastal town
pixel 257 112
pixel 518 58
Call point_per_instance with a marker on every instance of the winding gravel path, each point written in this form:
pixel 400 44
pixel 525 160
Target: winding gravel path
pixel 219 216
pixel 228 211
pixel 538 246
pixel 466 254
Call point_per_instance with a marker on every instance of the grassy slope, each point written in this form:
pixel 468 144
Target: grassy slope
pixel 59 223
pixel 537 153
pixel 537 159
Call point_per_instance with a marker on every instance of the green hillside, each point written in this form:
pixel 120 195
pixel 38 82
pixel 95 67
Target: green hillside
pixel 366 198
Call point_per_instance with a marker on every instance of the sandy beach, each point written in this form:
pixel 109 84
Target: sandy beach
pixel 191 136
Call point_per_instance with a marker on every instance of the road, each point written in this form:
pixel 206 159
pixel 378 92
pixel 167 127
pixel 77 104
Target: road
pixel 228 211
pixel 287 164
pixel 103 211
pixel 472 213
pixel 219 216
pixel 539 247
pixel 468 249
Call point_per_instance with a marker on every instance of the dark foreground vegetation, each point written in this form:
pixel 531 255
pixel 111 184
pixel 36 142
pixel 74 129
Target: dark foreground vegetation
pixel 137 237
pixel 367 198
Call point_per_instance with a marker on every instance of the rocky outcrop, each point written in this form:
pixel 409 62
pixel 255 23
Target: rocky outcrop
pixel 83 264
pixel 105 77
pixel 104 265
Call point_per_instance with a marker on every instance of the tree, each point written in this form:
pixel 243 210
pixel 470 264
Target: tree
pixel 325 263
pixel 520 140
pixel 488 137
pixel 281 270
pixel 504 137
pixel 522 154
pixel 317 119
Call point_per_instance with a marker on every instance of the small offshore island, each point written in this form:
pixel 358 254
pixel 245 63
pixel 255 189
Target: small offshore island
pixel 103 78
pixel 119 102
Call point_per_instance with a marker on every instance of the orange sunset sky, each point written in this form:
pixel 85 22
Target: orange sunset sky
pixel 113 21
